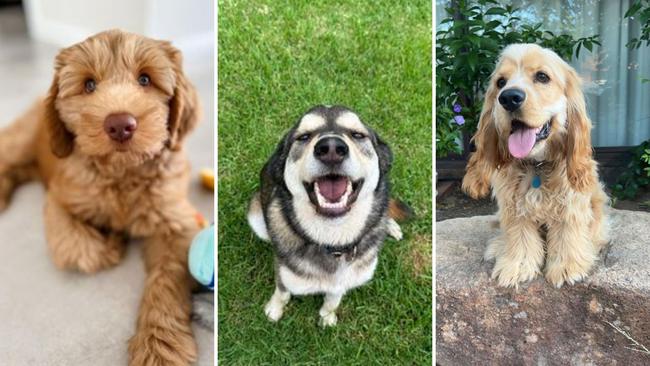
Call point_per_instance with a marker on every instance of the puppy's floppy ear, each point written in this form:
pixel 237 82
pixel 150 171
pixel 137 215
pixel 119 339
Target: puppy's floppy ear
pixel 580 164
pixel 491 153
pixel 184 111
pixel 61 140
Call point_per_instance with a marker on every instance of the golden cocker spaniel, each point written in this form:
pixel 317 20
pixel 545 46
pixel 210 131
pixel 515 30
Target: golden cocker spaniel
pixel 533 148
pixel 107 142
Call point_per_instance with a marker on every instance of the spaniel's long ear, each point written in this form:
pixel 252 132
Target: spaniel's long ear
pixel 61 140
pixel 184 110
pixel 490 153
pixel 580 164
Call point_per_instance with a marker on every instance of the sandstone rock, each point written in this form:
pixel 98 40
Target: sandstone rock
pixel 478 323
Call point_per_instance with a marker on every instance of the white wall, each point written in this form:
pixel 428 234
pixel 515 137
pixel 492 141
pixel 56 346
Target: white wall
pixel 187 23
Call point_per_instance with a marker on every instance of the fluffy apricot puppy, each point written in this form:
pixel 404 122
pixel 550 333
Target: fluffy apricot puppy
pixel 533 149
pixel 107 143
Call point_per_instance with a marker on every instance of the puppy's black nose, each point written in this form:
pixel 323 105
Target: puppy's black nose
pixel 331 150
pixel 512 99
pixel 120 126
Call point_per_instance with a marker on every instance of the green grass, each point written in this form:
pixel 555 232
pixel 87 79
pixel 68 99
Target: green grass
pixel 277 59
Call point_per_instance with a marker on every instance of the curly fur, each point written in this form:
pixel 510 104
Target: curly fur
pixel 101 192
pixel 560 226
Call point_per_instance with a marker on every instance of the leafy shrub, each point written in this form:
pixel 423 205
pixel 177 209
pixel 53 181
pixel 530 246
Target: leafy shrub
pixel 467 47
pixel 636 174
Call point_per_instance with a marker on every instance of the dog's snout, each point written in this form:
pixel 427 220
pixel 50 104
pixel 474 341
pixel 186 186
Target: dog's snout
pixel 331 150
pixel 512 99
pixel 120 127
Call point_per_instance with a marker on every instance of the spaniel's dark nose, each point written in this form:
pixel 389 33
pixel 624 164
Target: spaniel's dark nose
pixel 120 126
pixel 512 99
pixel 331 150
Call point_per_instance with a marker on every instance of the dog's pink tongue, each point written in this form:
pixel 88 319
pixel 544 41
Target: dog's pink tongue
pixel 332 188
pixel 521 142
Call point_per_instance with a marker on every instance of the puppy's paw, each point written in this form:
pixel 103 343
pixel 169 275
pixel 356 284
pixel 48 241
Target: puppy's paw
pixel 328 319
pixel 394 230
pixel 509 273
pixel 569 271
pixel 158 347
pixel 89 254
pixel 274 310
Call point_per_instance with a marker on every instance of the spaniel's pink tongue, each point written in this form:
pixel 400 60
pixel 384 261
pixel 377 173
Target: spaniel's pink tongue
pixel 332 188
pixel 521 142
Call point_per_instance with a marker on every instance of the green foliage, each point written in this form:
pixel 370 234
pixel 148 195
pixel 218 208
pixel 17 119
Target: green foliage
pixel 640 10
pixel 636 175
pixel 468 43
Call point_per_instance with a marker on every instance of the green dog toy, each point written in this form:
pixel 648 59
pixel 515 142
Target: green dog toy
pixel 201 257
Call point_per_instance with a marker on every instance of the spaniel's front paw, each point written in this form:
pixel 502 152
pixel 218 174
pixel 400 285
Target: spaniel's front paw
pixel 568 271
pixel 510 273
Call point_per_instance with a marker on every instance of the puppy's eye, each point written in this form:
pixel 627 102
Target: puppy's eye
pixel 358 135
pixel 542 77
pixel 501 83
pixel 90 85
pixel 144 80
pixel 303 137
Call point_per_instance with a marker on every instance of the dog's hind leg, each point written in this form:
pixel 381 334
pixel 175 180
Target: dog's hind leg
pixel 394 230
pixel 18 154
pixel 327 312
pixel 599 226
pixel 256 218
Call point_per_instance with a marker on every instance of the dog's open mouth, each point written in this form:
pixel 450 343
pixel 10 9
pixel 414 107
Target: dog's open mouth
pixel 523 138
pixel 333 195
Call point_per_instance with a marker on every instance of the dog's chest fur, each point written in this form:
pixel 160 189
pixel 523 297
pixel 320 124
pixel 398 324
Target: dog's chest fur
pixel 348 275
pixel 515 193
pixel 306 268
pixel 135 200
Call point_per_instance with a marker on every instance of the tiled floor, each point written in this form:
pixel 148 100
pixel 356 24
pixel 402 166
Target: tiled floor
pixel 49 317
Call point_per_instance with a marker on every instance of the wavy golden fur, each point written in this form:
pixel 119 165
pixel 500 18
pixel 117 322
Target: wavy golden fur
pixel 560 226
pixel 101 191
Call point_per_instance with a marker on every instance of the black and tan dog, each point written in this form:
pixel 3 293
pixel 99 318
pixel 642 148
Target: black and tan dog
pixel 324 204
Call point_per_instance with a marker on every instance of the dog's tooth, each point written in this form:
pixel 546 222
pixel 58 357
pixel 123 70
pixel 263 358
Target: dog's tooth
pixel 320 199
pixel 344 199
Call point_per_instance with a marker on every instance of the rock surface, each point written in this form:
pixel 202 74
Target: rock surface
pixel 478 323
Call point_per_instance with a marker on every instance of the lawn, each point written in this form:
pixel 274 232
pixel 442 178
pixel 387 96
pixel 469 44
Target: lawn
pixel 277 59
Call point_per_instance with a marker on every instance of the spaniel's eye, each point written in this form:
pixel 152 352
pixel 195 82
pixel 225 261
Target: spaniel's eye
pixel 501 83
pixel 90 85
pixel 542 77
pixel 144 80
pixel 358 135
pixel 303 137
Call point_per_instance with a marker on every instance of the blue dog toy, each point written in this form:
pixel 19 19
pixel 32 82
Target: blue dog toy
pixel 201 257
